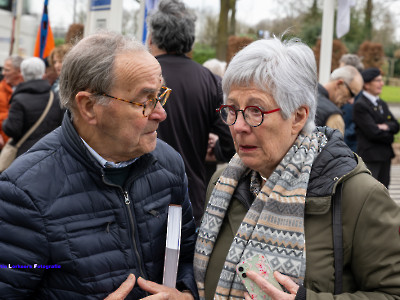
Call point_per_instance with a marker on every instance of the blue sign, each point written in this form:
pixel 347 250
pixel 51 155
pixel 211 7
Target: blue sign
pixel 100 5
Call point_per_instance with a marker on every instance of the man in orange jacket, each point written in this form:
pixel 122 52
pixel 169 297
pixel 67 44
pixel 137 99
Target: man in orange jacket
pixel 12 77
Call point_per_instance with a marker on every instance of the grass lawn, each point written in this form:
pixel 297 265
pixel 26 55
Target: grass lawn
pixel 390 94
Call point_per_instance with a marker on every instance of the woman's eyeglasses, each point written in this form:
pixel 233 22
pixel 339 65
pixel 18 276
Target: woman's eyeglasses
pixel 150 104
pixel 253 115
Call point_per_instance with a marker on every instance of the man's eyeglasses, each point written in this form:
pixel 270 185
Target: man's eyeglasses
pixel 253 115
pixel 349 89
pixel 150 104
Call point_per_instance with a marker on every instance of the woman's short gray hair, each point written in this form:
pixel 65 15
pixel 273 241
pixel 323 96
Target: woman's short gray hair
pixel 32 68
pixel 286 70
pixel 88 66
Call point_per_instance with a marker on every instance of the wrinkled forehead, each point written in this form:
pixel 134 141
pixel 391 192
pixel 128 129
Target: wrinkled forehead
pixel 137 67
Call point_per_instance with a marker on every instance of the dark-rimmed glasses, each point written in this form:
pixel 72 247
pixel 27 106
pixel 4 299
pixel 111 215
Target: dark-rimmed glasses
pixel 349 89
pixel 150 104
pixel 253 115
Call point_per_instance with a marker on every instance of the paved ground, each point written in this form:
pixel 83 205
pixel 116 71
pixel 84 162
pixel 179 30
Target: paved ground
pixel 394 187
pixel 395 109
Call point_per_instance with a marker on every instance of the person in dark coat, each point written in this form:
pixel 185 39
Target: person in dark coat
pixel 84 211
pixel 28 102
pixel 196 96
pixel 375 127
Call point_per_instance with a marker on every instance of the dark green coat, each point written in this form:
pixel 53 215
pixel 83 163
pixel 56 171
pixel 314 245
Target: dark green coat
pixel 371 237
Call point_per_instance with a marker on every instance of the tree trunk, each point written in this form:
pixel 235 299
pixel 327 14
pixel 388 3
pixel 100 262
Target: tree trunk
pixel 232 25
pixel 222 31
pixel 368 22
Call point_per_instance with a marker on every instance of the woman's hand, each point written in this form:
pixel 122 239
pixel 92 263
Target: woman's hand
pixel 272 291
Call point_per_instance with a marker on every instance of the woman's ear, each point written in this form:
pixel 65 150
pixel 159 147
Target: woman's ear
pixel 299 119
pixel 85 107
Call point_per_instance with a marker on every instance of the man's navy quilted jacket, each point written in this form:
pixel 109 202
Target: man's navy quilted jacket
pixel 57 209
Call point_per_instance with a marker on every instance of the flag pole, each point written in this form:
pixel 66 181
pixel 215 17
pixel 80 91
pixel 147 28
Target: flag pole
pixel 15 31
pixel 139 34
pixel 14 16
pixel 325 58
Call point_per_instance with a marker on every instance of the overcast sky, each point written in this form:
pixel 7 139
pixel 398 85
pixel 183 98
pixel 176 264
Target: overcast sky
pixel 248 11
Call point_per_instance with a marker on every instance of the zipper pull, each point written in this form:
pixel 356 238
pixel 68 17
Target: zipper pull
pixel 127 201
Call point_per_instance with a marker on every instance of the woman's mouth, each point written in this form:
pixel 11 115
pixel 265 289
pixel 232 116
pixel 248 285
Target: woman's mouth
pixel 247 148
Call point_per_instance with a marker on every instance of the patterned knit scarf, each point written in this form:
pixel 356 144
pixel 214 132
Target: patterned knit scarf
pixel 274 224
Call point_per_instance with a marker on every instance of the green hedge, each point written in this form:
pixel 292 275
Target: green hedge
pixel 201 53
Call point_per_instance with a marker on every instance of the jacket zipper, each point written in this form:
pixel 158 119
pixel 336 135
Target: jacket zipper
pixel 130 215
pixel 128 202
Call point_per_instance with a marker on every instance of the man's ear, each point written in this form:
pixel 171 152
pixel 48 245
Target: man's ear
pixel 85 107
pixel 339 83
pixel 299 119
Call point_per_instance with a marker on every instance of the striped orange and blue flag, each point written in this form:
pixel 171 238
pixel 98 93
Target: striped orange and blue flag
pixel 44 39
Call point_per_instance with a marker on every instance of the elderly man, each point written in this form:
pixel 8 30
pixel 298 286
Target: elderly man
pixel 84 212
pixel 343 85
pixel 375 127
pixel 12 77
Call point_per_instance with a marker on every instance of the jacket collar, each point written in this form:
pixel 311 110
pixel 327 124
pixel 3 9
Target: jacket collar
pixel 72 142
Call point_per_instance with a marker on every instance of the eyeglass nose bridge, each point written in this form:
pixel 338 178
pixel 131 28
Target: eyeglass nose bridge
pixel 237 114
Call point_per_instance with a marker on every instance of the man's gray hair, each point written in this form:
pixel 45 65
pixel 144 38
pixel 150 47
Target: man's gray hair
pixel 347 73
pixel 88 66
pixel 172 27
pixel 286 70
pixel 16 61
pixel 352 60
pixel 33 68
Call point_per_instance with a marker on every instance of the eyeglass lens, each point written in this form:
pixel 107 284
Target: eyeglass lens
pixel 151 103
pixel 252 115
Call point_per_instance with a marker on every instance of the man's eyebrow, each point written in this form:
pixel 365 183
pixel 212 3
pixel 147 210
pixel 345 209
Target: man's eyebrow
pixel 148 91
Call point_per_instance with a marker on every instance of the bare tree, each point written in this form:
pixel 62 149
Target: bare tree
pixel 368 20
pixel 222 31
pixel 208 32
pixel 232 25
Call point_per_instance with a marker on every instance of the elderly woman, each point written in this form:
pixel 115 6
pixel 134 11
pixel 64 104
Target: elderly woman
pixel 27 104
pixel 294 193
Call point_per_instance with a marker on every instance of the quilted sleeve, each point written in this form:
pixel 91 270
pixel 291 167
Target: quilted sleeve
pixel 23 243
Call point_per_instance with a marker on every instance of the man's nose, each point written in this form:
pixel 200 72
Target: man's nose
pixel 158 113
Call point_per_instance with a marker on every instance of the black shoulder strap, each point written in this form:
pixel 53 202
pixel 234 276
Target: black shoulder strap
pixel 338 238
